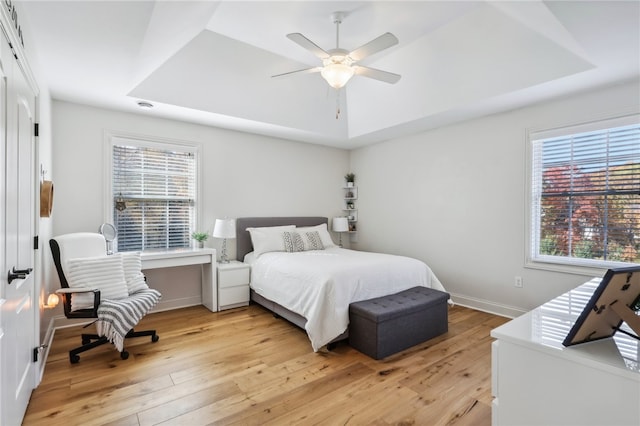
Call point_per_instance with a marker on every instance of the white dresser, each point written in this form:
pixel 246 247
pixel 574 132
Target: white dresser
pixel 538 381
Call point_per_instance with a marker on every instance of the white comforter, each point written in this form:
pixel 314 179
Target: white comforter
pixel 321 284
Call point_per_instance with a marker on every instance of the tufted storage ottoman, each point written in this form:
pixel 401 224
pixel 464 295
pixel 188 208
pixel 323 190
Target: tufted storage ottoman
pixel 385 325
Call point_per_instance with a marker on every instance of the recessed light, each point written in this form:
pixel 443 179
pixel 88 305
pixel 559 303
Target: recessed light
pixel 143 104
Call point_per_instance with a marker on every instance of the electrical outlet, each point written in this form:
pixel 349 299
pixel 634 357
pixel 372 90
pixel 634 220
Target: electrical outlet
pixel 518 282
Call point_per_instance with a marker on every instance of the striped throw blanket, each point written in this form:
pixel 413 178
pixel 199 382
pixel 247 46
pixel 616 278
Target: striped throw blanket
pixel 117 317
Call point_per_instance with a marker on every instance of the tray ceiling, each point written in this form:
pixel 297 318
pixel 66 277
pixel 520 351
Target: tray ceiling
pixel 212 62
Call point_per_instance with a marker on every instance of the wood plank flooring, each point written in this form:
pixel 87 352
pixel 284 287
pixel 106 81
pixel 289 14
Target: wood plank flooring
pixel 245 367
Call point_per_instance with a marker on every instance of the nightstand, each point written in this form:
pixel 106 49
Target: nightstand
pixel 233 284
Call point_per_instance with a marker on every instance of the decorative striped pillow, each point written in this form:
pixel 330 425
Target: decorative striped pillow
pixel 104 273
pixel 292 242
pixel 325 237
pixel 302 241
pixel 312 241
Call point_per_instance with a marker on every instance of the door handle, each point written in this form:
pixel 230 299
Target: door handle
pixel 18 274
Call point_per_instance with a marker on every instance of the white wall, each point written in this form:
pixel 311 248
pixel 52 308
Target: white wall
pixel 454 197
pixel 243 174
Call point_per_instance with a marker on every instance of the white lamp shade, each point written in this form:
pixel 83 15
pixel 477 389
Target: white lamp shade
pixel 340 224
pixel 224 228
pixel 337 75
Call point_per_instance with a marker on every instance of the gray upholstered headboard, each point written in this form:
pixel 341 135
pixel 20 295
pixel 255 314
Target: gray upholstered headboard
pixel 243 239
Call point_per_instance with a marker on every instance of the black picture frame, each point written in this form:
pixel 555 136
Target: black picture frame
pixel 614 301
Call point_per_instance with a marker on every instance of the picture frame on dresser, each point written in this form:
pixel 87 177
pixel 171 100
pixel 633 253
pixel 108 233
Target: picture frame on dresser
pixel 615 300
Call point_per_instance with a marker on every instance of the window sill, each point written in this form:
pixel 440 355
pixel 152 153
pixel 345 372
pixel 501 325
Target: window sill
pixel 574 266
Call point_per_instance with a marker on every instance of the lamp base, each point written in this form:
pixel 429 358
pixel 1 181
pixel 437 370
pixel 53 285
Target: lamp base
pixel 223 256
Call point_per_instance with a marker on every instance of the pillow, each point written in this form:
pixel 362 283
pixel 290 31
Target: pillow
pixel 268 238
pixel 302 241
pixel 104 273
pixel 312 240
pixel 132 265
pixel 325 237
pixel 292 242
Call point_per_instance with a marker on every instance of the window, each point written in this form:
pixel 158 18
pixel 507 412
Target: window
pixel 153 194
pixel 585 194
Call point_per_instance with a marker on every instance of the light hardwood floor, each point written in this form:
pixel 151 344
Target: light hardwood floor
pixel 243 366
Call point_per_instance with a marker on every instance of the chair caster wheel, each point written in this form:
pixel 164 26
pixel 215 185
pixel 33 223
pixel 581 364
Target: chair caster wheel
pixel 74 359
pixel 124 355
pixel 155 338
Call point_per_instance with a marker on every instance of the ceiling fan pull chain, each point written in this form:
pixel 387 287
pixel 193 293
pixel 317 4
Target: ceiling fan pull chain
pixel 338 105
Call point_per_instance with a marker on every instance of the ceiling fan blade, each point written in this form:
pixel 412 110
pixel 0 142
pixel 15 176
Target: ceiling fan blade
pixel 308 44
pixel 387 77
pixel 304 71
pixel 385 41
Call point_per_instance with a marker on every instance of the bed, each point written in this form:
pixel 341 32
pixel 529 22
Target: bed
pixel 313 288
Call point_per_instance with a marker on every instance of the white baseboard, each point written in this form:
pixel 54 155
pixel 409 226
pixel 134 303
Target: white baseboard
pixel 48 341
pixel 487 306
pixel 167 305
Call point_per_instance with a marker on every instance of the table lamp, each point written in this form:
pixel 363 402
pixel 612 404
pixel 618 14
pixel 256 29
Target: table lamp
pixel 224 228
pixel 340 225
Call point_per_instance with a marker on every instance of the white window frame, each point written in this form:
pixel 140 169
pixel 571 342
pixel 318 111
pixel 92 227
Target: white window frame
pixel 585 267
pixel 116 137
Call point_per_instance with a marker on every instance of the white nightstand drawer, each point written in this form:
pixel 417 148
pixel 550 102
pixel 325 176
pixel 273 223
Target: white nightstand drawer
pixel 234 295
pixel 233 277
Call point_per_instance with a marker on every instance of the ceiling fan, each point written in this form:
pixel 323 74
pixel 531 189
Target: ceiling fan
pixel 339 65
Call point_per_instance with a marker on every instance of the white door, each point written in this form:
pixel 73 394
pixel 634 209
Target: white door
pixel 17 215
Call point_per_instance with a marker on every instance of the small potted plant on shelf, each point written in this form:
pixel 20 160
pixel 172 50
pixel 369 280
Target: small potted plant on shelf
pixel 200 237
pixel 350 178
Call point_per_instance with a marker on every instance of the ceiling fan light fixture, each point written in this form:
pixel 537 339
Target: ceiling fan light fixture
pixel 337 75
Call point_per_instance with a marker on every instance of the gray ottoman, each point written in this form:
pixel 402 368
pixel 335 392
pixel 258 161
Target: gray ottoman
pixel 383 326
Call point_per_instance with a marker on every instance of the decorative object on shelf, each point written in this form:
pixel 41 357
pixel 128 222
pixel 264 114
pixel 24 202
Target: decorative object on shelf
pixel 224 228
pixel 350 212
pixel 200 237
pixel 350 178
pixel 340 225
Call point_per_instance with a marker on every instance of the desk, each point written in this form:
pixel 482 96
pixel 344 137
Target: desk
pixel 538 381
pixel 154 259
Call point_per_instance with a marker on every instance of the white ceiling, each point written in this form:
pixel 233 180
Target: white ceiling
pixel 211 62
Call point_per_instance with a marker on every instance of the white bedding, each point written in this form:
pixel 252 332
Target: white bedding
pixel 321 284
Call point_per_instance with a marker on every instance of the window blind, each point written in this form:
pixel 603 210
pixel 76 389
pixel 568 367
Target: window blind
pixel 153 197
pixel 586 195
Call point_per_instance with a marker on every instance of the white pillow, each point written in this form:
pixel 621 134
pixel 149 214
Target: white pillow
pixel 325 237
pixel 132 265
pixel 104 273
pixel 268 238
